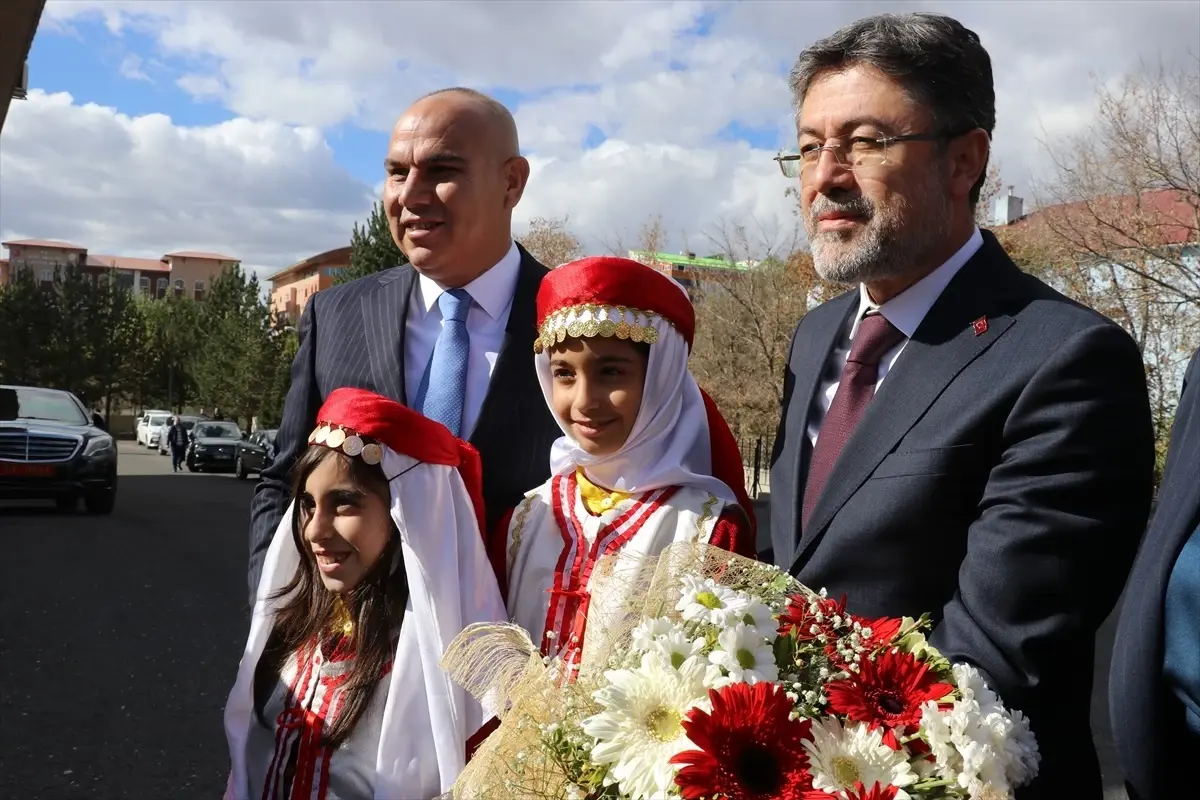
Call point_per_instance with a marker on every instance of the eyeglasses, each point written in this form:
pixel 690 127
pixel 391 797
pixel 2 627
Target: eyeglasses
pixel 858 152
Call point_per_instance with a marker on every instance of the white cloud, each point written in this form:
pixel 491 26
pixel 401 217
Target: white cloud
pixel 142 186
pixel 131 68
pixel 663 91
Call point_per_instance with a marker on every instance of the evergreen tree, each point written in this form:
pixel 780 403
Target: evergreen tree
pixel 372 247
pixel 24 334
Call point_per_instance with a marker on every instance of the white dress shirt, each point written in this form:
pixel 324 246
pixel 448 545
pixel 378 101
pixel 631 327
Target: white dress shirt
pixel 906 311
pixel 491 301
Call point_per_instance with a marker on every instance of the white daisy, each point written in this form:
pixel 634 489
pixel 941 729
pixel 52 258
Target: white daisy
pixel 676 647
pixel 642 637
pixel 705 600
pixel 842 756
pixel 638 731
pixel 745 655
pixel 760 616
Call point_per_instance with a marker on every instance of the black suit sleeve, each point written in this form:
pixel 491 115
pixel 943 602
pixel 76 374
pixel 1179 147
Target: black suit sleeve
pixel 273 492
pixel 1059 520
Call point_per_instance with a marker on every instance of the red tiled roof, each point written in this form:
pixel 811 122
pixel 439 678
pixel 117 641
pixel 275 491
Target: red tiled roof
pixel 1161 217
pixel 43 243
pixel 127 263
pixel 199 254
pixel 339 256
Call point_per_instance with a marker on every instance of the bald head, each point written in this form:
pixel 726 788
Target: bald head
pixel 455 173
pixel 488 113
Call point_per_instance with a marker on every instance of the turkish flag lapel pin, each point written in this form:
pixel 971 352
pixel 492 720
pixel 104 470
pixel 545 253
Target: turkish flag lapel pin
pixel 979 326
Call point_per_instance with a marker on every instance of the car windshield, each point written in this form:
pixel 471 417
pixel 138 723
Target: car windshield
pixel 217 430
pixel 158 421
pixel 47 404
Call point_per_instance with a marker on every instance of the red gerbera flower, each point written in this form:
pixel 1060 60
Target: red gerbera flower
pixel 799 618
pixel 887 692
pixel 883 630
pixel 859 792
pixel 749 748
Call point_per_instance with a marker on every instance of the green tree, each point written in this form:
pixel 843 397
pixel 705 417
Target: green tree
pixel 117 328
pixel 237 368
pixel 372 247
pixel 24 334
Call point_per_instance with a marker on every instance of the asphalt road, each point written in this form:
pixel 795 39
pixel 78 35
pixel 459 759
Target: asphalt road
pixel 120 635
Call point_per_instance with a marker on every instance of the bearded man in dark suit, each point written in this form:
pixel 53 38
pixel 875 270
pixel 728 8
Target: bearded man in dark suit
pixel 451 333
pixel 957 437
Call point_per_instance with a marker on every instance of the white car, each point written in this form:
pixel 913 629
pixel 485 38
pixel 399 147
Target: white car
pixel 149 425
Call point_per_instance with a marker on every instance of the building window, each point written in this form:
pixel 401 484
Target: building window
pixel 47 276
pixel 179 288
pixel 199 290
pixel 161 289
pixel 144 287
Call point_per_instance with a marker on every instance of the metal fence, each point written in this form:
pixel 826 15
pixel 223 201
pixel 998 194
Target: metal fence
pixel 756 463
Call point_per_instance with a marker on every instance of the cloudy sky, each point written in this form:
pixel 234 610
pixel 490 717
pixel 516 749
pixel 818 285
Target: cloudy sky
pixel 258 129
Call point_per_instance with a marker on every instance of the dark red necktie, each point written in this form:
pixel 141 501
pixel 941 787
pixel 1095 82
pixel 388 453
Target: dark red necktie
pixel 875 336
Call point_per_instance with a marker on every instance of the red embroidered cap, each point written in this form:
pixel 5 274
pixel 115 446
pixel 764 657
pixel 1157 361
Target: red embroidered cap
pixel 360 423
pixel 603 296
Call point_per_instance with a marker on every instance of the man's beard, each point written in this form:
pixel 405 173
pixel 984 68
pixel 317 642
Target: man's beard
pixel 892 240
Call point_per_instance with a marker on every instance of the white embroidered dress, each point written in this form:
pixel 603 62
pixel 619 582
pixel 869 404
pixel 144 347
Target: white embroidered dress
pixel 553 543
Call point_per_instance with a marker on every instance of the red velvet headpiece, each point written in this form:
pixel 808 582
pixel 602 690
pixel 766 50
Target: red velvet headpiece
pixel 617 283
pixel 354 420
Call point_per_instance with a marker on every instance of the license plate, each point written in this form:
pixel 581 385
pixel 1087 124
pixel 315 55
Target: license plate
pixel 26 470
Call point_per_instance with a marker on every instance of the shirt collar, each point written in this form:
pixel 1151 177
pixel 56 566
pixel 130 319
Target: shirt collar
pixel 908 309
pixel 492 291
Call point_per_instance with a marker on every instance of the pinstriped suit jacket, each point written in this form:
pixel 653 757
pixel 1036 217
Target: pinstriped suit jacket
pixel 353 335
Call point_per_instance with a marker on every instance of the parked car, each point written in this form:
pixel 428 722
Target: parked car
pixel 255 453
pixel 149 425
pixel 188 422
pixel 50 449
pixel 213 447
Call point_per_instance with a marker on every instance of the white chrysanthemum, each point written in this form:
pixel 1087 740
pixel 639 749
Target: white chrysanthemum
pixel 704 600
pixel 676 647
pixel 977 743
pixel 843 756
pixel 745 655
pixel 642 637
pixel 638 731
pixel 760 616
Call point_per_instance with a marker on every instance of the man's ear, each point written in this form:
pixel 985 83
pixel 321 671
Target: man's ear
pixel 968 160
pixel 516 175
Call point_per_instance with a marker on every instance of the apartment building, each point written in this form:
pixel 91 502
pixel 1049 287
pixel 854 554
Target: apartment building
pixel 291 287
pixel 183 274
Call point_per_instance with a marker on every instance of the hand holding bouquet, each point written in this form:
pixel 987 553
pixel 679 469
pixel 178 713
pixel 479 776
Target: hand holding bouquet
pixel 706 675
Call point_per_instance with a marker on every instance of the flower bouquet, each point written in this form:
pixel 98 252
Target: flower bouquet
pixel 707 675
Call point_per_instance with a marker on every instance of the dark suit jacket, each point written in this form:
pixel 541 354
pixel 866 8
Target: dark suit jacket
pixel 999 481
pixel 353 335
pixel 1148 724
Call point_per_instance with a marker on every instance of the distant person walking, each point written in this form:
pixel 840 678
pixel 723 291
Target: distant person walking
pixel 177 439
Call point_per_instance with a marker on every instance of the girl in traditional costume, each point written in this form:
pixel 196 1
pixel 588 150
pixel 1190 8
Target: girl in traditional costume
pixel 376 566
pixel 645 459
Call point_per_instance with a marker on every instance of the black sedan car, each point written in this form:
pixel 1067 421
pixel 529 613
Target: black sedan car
pixel 50 449
pixel 213 447
pixel 255 453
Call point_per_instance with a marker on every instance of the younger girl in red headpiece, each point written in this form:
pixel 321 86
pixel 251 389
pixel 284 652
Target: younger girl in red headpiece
pixel 377 564
pixel 645 459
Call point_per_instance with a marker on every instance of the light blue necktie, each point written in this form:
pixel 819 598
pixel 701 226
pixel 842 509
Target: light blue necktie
pixel 445 386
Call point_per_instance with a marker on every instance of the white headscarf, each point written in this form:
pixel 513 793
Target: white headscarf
pixel 427 719
pixel 669 444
